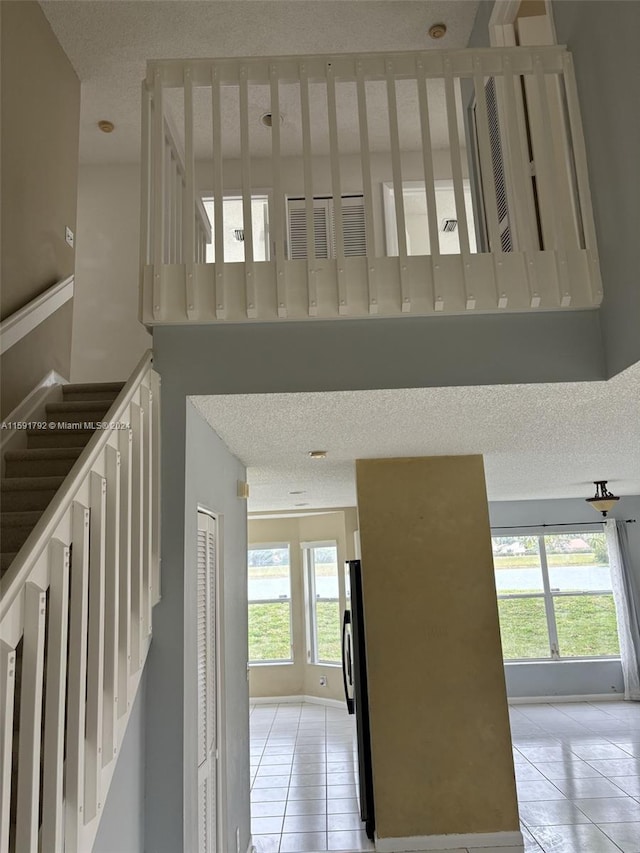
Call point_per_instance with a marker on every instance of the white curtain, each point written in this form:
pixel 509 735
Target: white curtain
pixel 626 594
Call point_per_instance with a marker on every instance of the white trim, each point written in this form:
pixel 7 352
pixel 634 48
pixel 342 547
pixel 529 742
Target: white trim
pixel 470 841
pixel 32 408
pixel 25 409
pixel 25 320
pixel 296 700
pixel 556 700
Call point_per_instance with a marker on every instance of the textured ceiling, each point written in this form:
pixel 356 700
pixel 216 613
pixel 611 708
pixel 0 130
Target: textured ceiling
pixel 109 42
pixel 538 441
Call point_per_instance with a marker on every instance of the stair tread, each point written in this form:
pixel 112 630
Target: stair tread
pixel 28 484
pixel 80 406
pixel 82 387
pixel 56 431
pixel 44 453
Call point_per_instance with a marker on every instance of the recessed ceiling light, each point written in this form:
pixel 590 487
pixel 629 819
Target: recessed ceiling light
pixel 106 126
pixel 437 31
pixel 318 454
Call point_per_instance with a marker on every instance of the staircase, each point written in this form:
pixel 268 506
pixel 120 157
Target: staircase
pixel 33 475
pixel 79 518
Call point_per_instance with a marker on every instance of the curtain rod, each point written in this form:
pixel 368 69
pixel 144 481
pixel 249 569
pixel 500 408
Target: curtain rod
pixel 560 524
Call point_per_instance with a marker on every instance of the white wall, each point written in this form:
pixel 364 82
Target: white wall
pixel 108 340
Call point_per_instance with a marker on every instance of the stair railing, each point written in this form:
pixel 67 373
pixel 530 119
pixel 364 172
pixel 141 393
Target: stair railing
pixel 77 603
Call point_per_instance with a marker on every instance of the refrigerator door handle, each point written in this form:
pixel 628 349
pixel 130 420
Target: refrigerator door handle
pixel 347 661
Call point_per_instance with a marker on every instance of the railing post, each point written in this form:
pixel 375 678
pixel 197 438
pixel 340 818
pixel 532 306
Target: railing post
pixel 367 191
pixel 111 610
pixel 307 163
pixel 398 192
pixel 158 148
pixel 336 190
pixel 189 207
pixel 247 214
pixel 218 220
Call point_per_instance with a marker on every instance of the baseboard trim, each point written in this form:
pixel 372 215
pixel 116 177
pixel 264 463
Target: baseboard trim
pixel 296 700
pixel 557 700
pixel 471 841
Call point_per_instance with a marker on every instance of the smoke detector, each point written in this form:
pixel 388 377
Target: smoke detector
pixel 437 31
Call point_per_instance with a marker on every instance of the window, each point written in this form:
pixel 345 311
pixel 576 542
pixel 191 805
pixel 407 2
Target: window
pixel 353 227
pixel 323 602
pixel 269 604
pixel 554 596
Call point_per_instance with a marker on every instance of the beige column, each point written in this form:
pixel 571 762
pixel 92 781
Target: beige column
pixel 441 745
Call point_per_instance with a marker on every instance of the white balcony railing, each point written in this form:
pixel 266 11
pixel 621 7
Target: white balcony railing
pixel 75 627
pixel 404 183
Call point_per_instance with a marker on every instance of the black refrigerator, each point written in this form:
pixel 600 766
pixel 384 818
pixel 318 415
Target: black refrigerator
pixel 354 671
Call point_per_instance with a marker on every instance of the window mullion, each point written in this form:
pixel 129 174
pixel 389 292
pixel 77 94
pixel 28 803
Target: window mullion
pixel 548 601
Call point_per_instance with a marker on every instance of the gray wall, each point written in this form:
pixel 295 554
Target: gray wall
pixel 565 678
pixel 376 353
pixel 197 469
pixel 603 37
pixel 121 829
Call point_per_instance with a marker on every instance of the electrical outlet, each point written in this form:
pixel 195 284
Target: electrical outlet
pixel 68 236
pixel 323 681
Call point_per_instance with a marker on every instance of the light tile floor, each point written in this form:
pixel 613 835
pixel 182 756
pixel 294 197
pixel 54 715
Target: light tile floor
pixel 577 772
pixel 578 776
pixel 304 780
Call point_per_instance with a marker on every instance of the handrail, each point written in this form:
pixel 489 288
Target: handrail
pixel 12 582
pixel 26 319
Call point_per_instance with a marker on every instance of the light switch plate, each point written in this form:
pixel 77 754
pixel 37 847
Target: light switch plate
pixel 68 236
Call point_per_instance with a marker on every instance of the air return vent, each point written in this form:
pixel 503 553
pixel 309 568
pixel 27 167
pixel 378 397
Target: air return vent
pixel 449 225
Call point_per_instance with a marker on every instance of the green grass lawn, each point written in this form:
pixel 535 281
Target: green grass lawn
pixel 270 632
pixel 586 626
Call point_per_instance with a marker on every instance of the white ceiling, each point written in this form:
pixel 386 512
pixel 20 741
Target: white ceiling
pixel 109 41
pixel 538 441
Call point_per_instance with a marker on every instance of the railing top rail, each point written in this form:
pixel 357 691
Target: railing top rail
pixel 30 552
pixel 25 319
pixel 460 61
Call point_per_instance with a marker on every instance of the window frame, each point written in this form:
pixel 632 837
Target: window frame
pixel 265 546
pixel 547 594
pixel 311 598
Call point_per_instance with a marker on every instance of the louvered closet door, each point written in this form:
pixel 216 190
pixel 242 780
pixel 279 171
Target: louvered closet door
pixel 207 680
pixel 324 223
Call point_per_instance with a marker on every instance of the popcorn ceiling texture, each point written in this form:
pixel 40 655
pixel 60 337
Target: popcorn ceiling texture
pixel 538 441
pixel 108 44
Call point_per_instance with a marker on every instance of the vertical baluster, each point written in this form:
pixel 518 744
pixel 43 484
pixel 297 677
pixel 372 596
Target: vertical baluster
pixel 7 688
pixel 489 193
pixel 95 648
pixel 336 187
pixel 147 508
pixel 155 416
pixel 168 203
pixel 547 177
pixel 458 182
pixel 278 196
pixel 189 209
pixel 218 221
pixel 367 186
pixel 52 832
pixel 145 175
pixel 484 146
pixel 396 171
pixel 125 439
pixel 35 604
pixel 582 176
pixel 77 678
pixel 247 218
pixel 429 180
pixel 112 599
pixel 159 190
pixel 137 516
pixel 307 163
